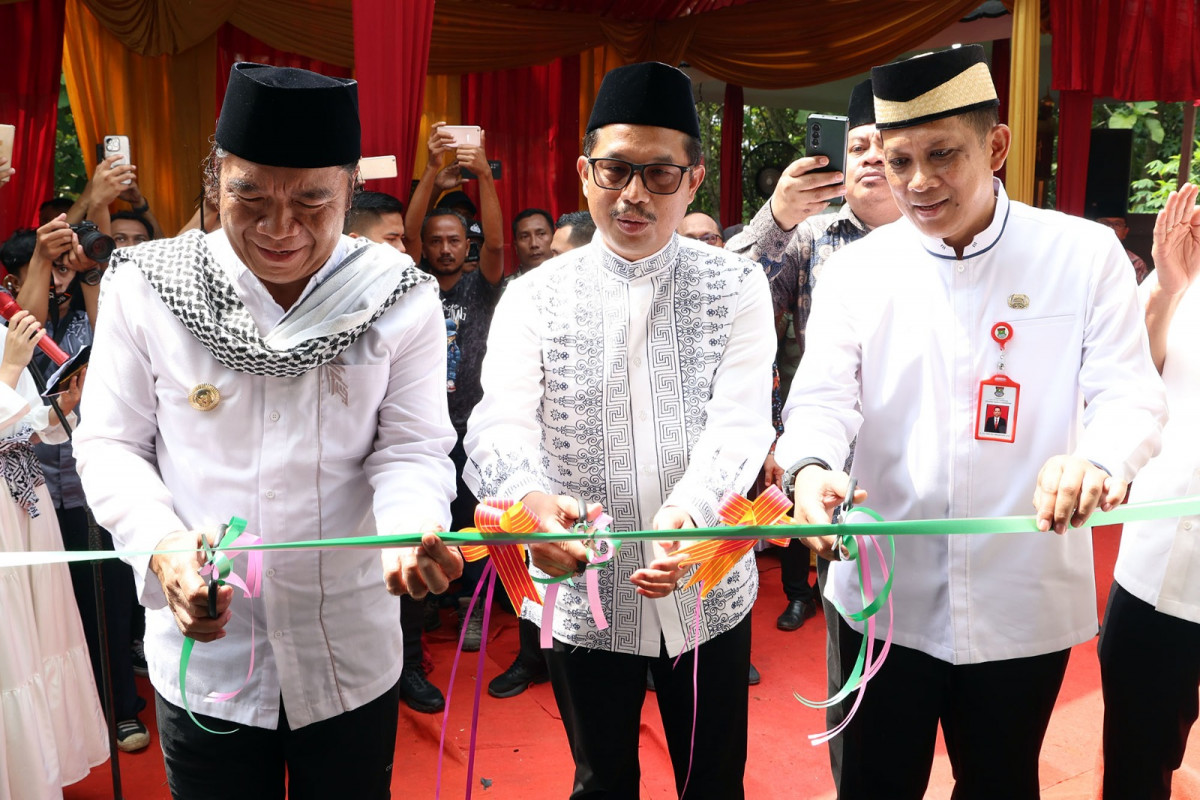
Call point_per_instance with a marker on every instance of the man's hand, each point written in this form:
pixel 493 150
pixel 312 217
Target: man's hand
pixel 801 192
pixel 448 178
pixel 772 473
pixel 662 575
pixel 1176 250
pixel 818 492
pixel 107 182
pixel 68 399
pixel 474 158
pixel 438 143
pixel 54 239
pixel 6 171
pixel 1069 489
pixel 133 195
pixel 417 571
pixel 558 513
pixel 186 591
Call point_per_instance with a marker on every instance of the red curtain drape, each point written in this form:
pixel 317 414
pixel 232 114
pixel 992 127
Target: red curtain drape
pixel 522 112
pixel 391 53
pixel 732 122
pixel 234 45
pixel 1127 49
pixel 1074 146
pixel 31 63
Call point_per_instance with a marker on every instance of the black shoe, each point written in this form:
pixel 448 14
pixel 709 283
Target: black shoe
pixel 132 736
pixel 138 654
pixel 794 616
pixel 419 693
pixel 516 679
pixel 755 678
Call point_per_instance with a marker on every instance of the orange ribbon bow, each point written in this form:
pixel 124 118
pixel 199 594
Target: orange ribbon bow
pixel 717 557
pixel 506 516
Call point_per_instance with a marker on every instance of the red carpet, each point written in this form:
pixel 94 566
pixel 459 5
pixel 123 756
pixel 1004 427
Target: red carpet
pixel 522 751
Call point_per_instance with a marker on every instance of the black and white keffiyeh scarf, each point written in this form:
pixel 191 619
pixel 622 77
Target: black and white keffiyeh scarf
pixel 194 287
pixel 21 470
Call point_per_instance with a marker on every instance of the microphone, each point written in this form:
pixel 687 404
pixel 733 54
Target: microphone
pixel 68 365
pixel 9 307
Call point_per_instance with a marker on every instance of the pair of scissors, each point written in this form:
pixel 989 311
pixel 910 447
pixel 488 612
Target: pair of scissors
pixel 839 518
pixel 214 574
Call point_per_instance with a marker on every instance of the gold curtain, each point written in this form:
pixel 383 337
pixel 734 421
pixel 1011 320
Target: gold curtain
pixel 320 29
pixel 769 44
pixel 1023 99
pixel 443 101
pixel 155 27
pixel 165 104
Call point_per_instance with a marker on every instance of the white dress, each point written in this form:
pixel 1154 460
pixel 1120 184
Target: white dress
pixel 53 730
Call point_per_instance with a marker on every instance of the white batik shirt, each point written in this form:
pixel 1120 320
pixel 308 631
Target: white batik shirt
pixel 635 385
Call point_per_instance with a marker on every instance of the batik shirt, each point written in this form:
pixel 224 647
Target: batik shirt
pixel 793 259
pixel 635 385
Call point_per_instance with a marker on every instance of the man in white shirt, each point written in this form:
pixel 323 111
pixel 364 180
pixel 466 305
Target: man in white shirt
pixel 969 298
pixel 1150 645
pixel 280 372
pixel 630 373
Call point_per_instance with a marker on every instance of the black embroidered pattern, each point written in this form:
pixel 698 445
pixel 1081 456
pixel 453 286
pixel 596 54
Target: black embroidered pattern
pixel 587 418
pixel 196 290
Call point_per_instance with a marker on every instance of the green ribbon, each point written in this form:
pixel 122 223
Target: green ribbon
pixel 219 561
pixel 1156 509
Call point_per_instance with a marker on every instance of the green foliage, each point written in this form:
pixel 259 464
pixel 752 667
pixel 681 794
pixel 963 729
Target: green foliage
pixel 70 174
pixel 1150 193
pixel 761 124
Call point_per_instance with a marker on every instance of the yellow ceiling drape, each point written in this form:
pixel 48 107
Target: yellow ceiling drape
pixel 165 104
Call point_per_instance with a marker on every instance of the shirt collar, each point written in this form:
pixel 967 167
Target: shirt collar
pixel 631 270
pixel 846 214
pixel 983 241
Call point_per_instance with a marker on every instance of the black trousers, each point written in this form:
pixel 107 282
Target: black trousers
pixel 120 597
pixel 600 696
pixel 347 756
pixel 793 570
pixel 993 716
pixel 412 625
pixel 1149 674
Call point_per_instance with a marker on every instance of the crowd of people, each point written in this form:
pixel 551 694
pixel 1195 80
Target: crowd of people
pixel 329 361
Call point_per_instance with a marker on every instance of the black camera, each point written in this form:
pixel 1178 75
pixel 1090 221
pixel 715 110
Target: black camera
pixel 96 245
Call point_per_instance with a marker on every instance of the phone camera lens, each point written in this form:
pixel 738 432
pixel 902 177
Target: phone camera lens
pixel 112 145
pixel 816 128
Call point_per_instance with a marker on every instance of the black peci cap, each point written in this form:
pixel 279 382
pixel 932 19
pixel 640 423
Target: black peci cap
pixel 647 93
pixel 861 110
pixel 285 117
pixel 932 86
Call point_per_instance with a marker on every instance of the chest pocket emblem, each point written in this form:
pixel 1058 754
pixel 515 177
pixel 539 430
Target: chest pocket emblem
pixel 1018 301
pixel 204 397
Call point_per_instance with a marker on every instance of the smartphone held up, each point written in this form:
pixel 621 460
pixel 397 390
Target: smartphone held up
pixel 826 135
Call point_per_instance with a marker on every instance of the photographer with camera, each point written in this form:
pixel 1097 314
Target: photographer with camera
pixel 59 285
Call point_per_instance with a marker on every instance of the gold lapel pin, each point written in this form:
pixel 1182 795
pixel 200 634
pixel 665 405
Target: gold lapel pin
pixel 1018 301
pixel 204 397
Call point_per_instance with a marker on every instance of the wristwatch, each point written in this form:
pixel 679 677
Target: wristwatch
pixel 789 476
pixel 92 276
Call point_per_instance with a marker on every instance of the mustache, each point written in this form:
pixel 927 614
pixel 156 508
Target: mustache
pixel 632 211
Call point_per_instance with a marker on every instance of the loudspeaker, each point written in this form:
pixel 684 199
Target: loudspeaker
pixel 1109 164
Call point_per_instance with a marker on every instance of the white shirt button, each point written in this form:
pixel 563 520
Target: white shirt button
pixel 961 267
pixel 637 361
pixel 271 573
pixel 274 416
pixel 270 494
pixel 643 416
pixel 1187 526
pixel 278 634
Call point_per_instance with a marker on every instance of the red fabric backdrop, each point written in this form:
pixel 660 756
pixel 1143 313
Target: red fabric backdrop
pixel 531 120
pixel 391 52
pixel 31 63
pixel 234 45
pixel 1124 49
pixel 731 155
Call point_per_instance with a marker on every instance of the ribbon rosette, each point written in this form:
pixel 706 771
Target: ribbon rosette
pixel 506 516
pixel 599 552
pixel 717 557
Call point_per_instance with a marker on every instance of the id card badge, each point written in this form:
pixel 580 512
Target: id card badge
pixel 996 417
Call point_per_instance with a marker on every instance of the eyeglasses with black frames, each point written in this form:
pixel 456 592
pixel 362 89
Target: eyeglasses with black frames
pixel 615 174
